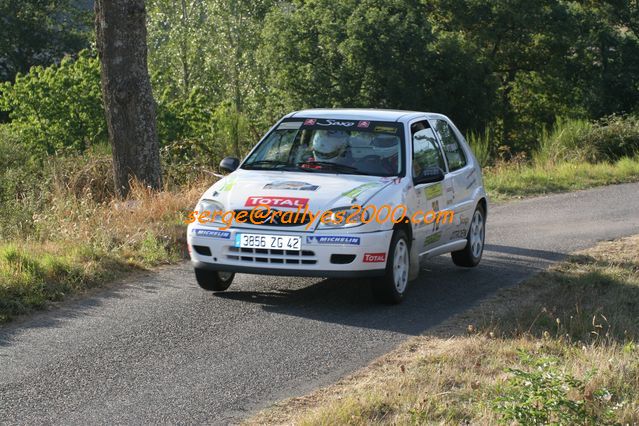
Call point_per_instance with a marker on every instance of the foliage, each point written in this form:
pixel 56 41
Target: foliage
pixel 373 54
pixel 508 66
pixel 23 185
pixel 543 394
pixel 552 58
pixel 40 32
pixel 608 139
pixel 565 142
pixel 208 48
pixel 482 145
pixel 58 108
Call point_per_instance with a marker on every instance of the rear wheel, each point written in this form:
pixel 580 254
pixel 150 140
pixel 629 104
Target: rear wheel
pixel 391 287
pixel 470 256
pixel 213 280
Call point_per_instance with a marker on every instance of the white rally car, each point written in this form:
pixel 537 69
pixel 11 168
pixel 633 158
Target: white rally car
pixel 353 162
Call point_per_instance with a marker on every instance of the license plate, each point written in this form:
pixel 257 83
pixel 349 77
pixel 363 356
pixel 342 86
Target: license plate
pixel 275 242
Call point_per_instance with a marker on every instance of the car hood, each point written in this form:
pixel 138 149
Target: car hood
pixel 244 189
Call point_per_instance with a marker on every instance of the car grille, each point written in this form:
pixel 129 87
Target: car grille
pixel 272 256
pixel 295 220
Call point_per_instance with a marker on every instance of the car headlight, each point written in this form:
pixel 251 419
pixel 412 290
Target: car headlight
pixel 345 217
pixel 210 206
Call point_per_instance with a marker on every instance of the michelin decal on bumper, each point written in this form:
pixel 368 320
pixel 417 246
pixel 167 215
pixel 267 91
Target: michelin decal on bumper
pixel 354 241
pixel 212 233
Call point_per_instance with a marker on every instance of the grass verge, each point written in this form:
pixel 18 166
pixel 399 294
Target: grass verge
pixel 79 243
pixel 507 181
pixel 559 348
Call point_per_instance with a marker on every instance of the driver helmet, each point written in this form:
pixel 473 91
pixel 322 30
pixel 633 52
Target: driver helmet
pixel 329 144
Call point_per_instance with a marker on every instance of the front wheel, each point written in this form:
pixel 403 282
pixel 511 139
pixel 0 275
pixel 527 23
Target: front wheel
pixel 213 280
pixel 470 256
pixel 391 287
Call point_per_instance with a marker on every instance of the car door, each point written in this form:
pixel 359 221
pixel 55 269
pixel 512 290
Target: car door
pixel 461 173
pixel 429 196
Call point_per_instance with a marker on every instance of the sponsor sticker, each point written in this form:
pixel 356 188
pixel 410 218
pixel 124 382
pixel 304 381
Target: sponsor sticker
pixel 433 238
pixel 212 233
pixel 290 125
pixel 336 123
pixel 338 240
pixel 433 191
pixel 291 185
pixel 357 191
pixel 374 257
pixel 227 184
pixel 385 129
pixel 363 124
pixel 310 122
pixel 291 202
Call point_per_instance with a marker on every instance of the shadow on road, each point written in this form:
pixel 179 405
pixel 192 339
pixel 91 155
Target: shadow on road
pixel 441 291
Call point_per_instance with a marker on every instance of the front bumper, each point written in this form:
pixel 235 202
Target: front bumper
pixel 323 253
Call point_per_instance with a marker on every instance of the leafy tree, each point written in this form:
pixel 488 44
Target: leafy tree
pixel 40 32
pixel 238 24
pixel 57 108
pixel 374 53
pixel 180 48
pixel 205 49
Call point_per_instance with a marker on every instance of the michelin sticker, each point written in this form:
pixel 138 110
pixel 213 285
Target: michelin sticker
pixel 353 241
pixel 212 233
pixel 291 186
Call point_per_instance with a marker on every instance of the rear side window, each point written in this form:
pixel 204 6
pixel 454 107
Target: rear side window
pixel 452 148
pixel 425 149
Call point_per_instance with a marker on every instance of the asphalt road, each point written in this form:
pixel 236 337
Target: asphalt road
pixel 158 349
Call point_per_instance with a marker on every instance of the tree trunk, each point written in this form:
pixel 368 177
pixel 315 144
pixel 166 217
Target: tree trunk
pixel 126 89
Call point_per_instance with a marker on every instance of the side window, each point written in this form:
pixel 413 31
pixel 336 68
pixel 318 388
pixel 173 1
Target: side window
pixel 452 148
pixel 280 148
pixel 426 151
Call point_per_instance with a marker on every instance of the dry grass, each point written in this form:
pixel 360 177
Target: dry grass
pixel 85 237
pixel 580 318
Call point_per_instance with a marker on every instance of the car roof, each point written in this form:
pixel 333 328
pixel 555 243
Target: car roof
pixel 360 114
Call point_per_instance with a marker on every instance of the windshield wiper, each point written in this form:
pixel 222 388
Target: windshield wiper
pixel 328 164
pixel 254 164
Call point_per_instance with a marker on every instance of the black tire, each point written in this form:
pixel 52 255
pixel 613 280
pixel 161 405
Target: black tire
pixel 213 280
pixel 386 289
pixel 471 255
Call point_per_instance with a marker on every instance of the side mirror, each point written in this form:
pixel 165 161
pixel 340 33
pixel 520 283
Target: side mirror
pixel 229 164
pixel 429 175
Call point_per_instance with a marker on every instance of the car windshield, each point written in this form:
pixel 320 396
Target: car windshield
pixel 331 146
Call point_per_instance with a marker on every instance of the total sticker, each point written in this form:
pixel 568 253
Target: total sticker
pixel 374 257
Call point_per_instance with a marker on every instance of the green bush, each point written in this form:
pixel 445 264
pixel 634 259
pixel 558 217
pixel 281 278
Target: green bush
pixel 543 394
pixel 614 137
pixel 575 140
pixel 21 186
pixel 58 108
